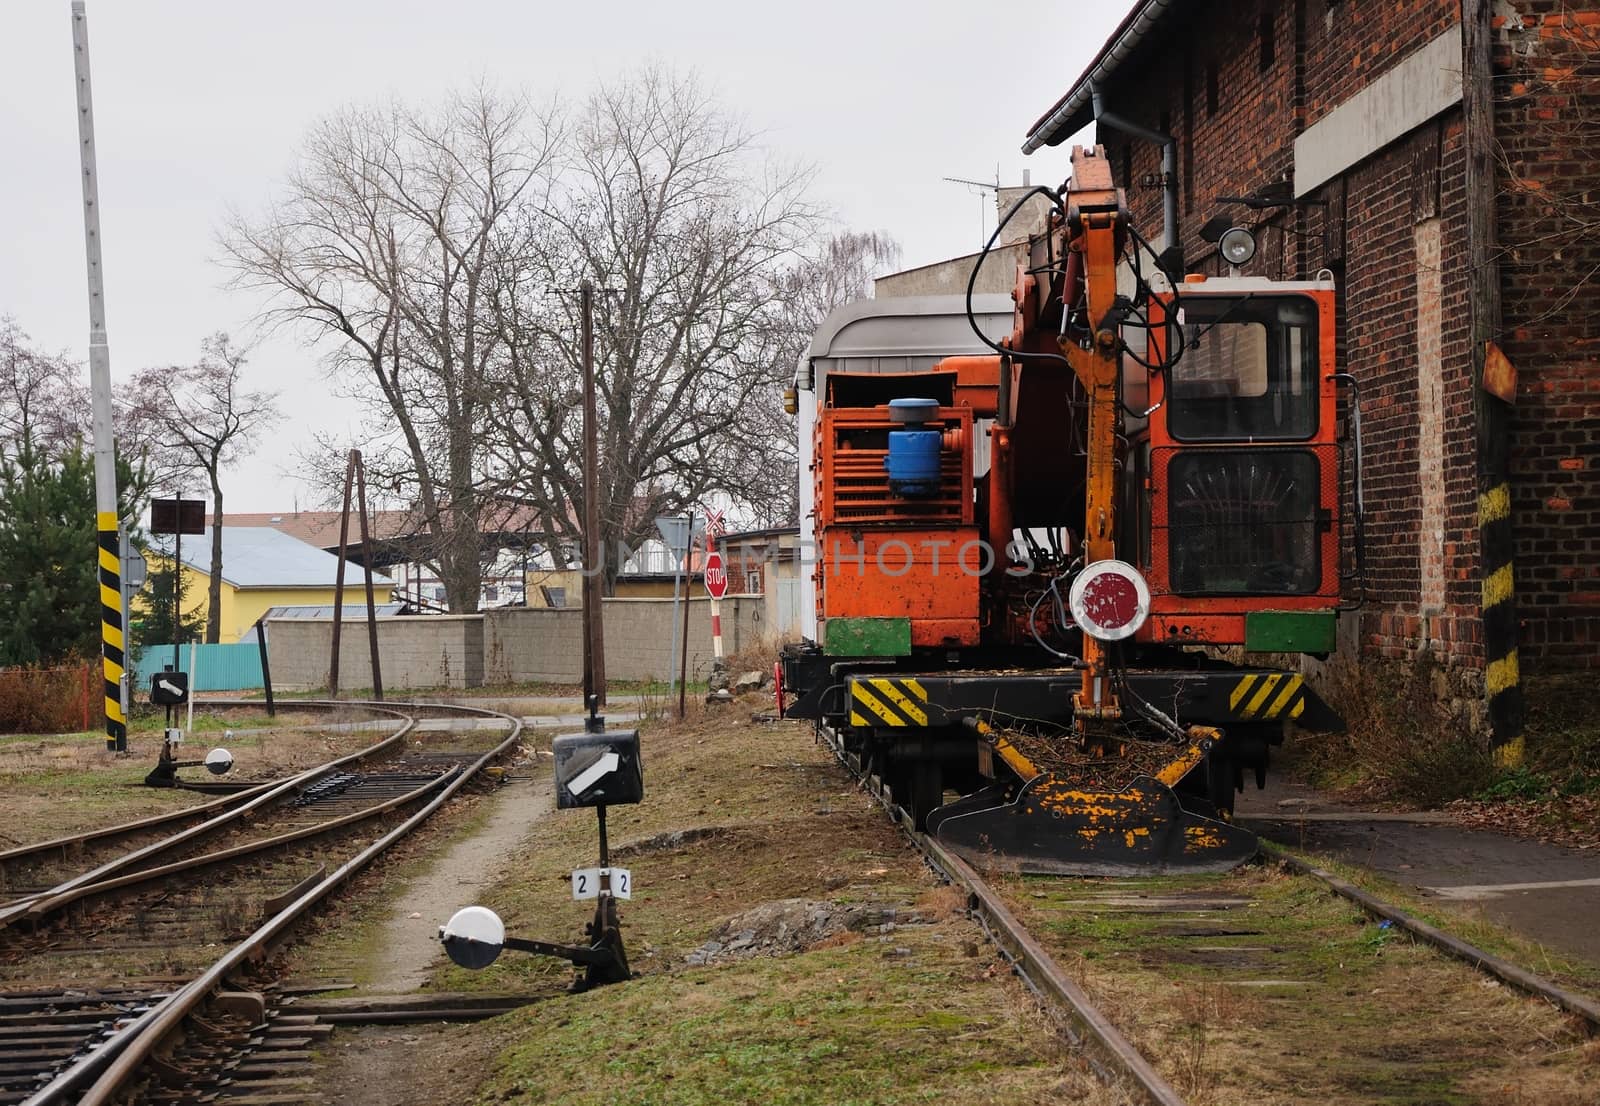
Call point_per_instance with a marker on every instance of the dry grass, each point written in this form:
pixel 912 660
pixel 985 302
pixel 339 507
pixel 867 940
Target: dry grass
pixel 1402 740
pixel 55 785
pixel 48 700
pixel 922 1013
pixel 1296 997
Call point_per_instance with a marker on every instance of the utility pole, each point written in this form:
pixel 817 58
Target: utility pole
pixel 366 570
pixel 1492 402
pixel 338 576
pixel 594 647
pixel 112 622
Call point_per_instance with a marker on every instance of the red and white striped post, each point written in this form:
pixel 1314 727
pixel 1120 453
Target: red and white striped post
pixel 716 579
pixel 716 633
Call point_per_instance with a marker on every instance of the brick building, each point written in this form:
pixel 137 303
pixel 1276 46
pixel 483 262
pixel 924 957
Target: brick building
pixel 1442 159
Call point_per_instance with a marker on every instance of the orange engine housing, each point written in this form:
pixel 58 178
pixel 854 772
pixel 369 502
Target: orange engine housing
pixel 882 555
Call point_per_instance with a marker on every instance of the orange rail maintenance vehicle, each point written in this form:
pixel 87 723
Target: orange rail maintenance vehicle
pixel 1032 566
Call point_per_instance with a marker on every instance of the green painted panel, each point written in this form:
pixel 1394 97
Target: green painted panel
pixel 214 667
pixel 1290 631
pixel 867 637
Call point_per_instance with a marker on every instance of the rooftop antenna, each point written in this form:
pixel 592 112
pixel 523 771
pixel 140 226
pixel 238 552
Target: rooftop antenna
pixel 983 203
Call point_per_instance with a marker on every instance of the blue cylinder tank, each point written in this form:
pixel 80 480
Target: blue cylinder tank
pixel 913 460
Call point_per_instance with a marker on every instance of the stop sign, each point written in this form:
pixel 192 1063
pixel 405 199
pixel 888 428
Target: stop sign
pixel 716 575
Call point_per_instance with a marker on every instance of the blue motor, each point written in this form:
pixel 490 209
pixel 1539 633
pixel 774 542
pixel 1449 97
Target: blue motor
pixel 913 461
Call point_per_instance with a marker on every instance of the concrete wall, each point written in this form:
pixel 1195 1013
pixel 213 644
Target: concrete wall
pixel 416 651
pixel 508 645
pixel 949 278
pixel 535 646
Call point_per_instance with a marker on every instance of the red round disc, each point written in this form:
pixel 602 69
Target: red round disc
pixel 1110 600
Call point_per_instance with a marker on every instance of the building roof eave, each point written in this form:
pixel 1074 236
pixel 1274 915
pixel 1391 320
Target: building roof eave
pixel 1075 109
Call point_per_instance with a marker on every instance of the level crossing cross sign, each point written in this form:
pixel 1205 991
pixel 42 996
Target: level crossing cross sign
pixel 716 575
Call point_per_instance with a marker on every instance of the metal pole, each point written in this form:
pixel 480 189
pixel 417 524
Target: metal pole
pixel 266 669
pixel 677 596
pixel 194 685
pixel 113 618
pixel 366 566
pixel 177 582
pixel 127 609
pixel 594 661
pixel 683 646
pixel 716 607
pixel 338 579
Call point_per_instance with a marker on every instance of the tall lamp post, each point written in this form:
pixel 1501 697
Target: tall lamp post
pixel 112 620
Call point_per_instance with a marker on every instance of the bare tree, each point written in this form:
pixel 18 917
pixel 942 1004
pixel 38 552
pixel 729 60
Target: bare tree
pixel 438 251
pixel 838 271
pixel 385 243
pixel 665 202
pixel 41 397
pixel 197 419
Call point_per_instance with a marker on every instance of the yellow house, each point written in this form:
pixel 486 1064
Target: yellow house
pixel 541 585
pixel 261 568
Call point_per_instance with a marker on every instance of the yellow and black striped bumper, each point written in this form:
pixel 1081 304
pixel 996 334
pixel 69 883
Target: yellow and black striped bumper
pixel 1263 697
pixel 890 701
pixel 1220 697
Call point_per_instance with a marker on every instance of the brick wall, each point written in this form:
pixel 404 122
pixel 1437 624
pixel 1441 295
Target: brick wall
pixel 1547 122
pixel 1205 78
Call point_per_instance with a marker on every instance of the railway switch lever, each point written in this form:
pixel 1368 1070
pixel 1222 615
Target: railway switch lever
pixel 593 769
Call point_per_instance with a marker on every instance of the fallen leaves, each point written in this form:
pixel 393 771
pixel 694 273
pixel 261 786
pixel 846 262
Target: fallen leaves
pixel 1569 820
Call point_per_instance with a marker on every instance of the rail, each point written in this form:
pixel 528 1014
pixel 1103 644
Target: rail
pixel 101 1074
pixel 1118 1059
pixel 20 909
pixel 1505 971
pixel 1110 1053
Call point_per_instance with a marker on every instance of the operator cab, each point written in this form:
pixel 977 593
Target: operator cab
pixel 1234 473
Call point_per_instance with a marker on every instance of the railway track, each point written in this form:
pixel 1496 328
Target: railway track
pixel 55 868
pixel 1196 909
pixel 144 977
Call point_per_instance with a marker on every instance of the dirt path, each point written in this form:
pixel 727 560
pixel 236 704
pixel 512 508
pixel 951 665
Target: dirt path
pixel 407 948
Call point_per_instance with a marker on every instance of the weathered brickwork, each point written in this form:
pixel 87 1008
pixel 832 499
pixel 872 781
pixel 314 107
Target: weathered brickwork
pixel 1547 84
pixel 1236 107
pixel 1431 467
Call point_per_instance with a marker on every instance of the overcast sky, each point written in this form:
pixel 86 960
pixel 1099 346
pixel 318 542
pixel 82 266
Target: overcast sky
pixel 201 106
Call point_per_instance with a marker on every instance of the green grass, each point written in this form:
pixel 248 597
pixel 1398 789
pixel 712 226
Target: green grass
pixel 922 1014
pixel 1568 971
pixel 153 723
pixel 837 1026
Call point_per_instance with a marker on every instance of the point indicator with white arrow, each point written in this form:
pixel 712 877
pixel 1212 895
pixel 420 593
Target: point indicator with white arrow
pixel 604 766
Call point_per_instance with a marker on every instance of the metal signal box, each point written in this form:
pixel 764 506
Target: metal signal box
pixel 169 689
pixel 598 769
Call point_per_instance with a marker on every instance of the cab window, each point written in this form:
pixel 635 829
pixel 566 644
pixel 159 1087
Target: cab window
pixel 1247 370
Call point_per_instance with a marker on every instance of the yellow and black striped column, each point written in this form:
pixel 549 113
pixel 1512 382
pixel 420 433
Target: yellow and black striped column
pixel 112 643
pixel 1502 677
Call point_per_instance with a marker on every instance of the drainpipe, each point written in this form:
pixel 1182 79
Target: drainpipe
pixel 1169 166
